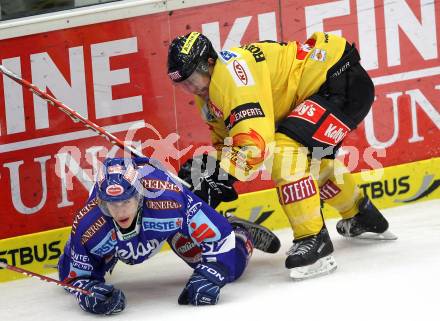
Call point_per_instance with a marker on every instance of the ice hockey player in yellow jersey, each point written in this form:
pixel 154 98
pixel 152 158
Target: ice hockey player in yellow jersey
pixel 284 107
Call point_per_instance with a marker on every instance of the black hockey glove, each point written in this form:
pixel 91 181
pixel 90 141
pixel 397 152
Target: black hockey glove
pixel 203 287
pixel 208 180
pixel 106 299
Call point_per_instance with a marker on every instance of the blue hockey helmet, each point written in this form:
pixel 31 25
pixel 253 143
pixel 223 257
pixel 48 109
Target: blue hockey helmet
pixel 117 180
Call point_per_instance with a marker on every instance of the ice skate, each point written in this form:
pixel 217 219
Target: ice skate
pixel 262 238
pixel 311 256
pixel 369 223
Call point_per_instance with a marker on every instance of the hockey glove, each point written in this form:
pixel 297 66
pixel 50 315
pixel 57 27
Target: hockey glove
pixel 208 180
pixel 106 299
pixel 203 287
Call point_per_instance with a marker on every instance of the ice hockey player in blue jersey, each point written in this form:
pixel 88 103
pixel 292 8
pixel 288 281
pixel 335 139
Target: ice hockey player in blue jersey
pixel 132 211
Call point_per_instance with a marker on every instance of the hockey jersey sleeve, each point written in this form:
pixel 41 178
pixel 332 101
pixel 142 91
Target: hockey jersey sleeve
pixel 91 236
pixel 240 87
pixel 211 232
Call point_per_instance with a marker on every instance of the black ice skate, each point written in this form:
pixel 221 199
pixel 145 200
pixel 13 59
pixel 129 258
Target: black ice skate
pixel 262 238
pixel 369 223
pixel 311 256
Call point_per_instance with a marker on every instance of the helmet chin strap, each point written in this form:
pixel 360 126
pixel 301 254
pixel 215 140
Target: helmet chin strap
pixel 131 231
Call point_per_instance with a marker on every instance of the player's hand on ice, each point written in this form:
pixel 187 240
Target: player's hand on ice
pixel 208 180
pixel 106 299
pixel 203 287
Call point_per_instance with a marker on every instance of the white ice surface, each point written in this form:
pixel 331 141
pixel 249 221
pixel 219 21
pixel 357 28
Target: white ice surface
pixel 375 280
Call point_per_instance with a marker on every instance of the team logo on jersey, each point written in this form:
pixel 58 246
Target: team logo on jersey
pixel 251 141
pixel 319 55
pixel 202 229
pixel 243 112
pixel 227 55
pixel 241 73
pixel 114 190
pixel 161 224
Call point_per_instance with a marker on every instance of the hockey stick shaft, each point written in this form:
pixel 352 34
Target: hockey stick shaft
pixel 44 278
pixel 77 117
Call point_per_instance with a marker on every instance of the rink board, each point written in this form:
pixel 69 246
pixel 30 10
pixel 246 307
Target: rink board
pixel 108 63
pixel 390 187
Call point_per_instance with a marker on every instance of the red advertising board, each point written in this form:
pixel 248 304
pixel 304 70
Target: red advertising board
pixel 115 74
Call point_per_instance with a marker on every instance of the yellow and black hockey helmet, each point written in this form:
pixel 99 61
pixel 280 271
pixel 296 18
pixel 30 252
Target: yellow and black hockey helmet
pixel 186 52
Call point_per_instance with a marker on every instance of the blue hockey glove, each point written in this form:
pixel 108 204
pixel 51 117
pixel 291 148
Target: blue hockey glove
pixel 203 287
pixel 106 298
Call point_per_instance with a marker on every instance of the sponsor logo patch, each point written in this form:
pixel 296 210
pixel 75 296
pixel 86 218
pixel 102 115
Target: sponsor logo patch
pixel 86 209
pixel 318 55
pixel 227 55
pixel 156 184
pixel 217 112
pixel 309 111
pixel 132 253
pixel 186 248
pixel 76 272
pixel 303 49
pixel 191 211
pixel 115 169
pixel 243 112
pixel 175 75
pixel 92 230
pixel 130 174
pixel 298 190
pixel 114 190
pixel 241 74
pixel 161 224
pixel 332 131
pixel 328 190
pixel 189 42
pixel 202 229
pixel 106 245
pixel 163 205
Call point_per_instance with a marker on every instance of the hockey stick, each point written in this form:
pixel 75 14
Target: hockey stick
pixel 76 117
pixel 44 278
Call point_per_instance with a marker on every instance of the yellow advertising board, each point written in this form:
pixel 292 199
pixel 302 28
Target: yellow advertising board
pixel 389 187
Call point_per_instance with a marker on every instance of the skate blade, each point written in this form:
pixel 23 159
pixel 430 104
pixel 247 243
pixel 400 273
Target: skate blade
pixel 385 236
pixel 323 266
